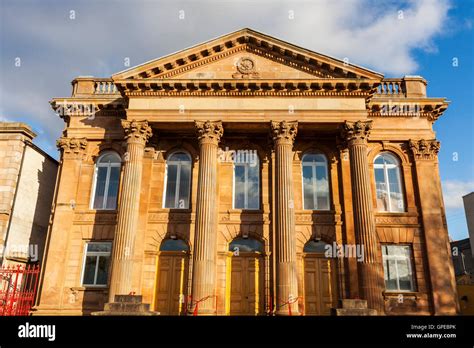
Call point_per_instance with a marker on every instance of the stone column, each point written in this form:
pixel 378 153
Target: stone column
pixel 438 254
pixel 204 256
pixel 370 269
pixel 283 134
pixel 52 284
pixel 136 133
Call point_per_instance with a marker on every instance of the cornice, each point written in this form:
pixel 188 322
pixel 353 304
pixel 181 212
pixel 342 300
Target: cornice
pixel 252 87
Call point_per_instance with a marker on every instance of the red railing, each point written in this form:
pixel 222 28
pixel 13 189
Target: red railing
pixel 18 284
pixel 191 306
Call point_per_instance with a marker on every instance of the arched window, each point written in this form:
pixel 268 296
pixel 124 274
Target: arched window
pixel 315 182
pixel 313 246
pixel 246 245
pixel 178 181
pixel 246 180
pixel 174 245
pixel 388 183
pixel 106 181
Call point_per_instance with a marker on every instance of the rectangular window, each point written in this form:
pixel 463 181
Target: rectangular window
pixel 246 186
pixel 397 266
pixel 96 263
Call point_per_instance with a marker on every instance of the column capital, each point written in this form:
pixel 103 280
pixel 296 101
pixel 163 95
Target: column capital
pixel 284 132
pixel 424 149
pixel 356 133
pixel 137 131
pixel 209 131
pixel 72 147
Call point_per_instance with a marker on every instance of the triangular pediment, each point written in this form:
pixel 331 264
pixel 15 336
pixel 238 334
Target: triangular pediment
pixel 246 54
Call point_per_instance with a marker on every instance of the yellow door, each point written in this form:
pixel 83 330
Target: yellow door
pixel 171 284
pixel 246 284
pixel 319 284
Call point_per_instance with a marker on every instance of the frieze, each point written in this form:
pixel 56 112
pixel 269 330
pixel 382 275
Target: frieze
pixel 396 220
pixel 171 217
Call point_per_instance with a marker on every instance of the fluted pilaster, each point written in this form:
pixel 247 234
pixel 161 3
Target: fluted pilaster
pixel 136 133
pixel 283 134
pixel 204 257
pixel 370 269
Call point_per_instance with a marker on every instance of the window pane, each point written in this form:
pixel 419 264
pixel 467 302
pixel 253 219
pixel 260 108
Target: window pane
pixel 239 189
pixel 395 190
pixel 89 270
pixel 381 189
pixel 100 187
pixel 313 158
pixel 308 187
pixel 179 156
pixel 404 275
pixel 390 275
pixel 397 267
pixel 253 187
pixel 99 247
pixel 379 160
pixel 113 187
pixel 102 270
pixel 184 185
pixel 171 186
pixel 322 187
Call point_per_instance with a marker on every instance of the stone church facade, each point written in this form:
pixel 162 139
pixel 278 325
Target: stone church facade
pixel 249 176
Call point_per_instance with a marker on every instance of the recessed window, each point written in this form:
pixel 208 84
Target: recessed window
pixel 246 245
pixel 106 182
pixel 388 184
pixel 174 245
pixel 178 181
pixel 397 266
pixel 315 182
pixel 96 263
pixel 247 181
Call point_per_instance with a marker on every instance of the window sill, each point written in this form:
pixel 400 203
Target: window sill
pixel 245 211
pixel 175 210
pixel 396 293
pixel 90 288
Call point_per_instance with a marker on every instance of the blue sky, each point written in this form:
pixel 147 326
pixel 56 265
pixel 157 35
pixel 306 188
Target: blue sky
pixel 60 40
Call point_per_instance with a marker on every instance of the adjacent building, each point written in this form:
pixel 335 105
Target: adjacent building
pixel 27 181
pixel 249 176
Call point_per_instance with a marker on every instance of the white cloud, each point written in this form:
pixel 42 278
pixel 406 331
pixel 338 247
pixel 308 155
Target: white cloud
pixel 54 48
pixel 453 190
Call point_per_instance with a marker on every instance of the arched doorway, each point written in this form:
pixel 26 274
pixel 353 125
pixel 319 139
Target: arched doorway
pixel 245 284
pixel 320 281
pixel 172 276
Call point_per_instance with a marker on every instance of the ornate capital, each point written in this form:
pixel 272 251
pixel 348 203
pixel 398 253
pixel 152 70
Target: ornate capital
pixel 284 132
pixel 424 149
pixel 137 131
pixel 355 133
pixel 73 147
pixel 209 132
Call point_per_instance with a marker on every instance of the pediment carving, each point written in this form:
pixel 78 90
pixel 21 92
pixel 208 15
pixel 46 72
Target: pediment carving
pixel 240 54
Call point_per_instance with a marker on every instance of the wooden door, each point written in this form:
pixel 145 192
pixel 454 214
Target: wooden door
pixel 246 284
pixel 319 285
pixel 171 284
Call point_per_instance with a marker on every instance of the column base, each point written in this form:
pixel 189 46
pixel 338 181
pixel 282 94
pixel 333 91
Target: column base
pixel 353 307
pixel 125 305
